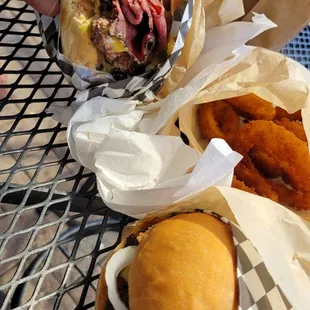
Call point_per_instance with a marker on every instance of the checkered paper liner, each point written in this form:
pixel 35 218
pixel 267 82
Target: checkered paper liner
pixel 93 83
pixel 257 289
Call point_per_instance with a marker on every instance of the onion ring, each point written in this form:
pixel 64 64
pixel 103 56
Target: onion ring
pixel 295 199
pixel 265 163
pixel 281 113
pixel 246 172
pixel 253 107
pixel 218 120
pixel 290 152
pixel 293 126
pixel 241 185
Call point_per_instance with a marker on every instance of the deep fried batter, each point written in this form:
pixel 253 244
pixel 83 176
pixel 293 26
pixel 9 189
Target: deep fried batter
pixel 246 172
pixel 265 163
pixel 293 126
pixel 295 199
pixel 281 113
pixel 273 145
pixel 253 107
pixel 241 185
pixel 290 152
pixel 218 120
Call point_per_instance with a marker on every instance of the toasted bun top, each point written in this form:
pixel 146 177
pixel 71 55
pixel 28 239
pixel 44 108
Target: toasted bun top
pixel 75 39
pixel 185 262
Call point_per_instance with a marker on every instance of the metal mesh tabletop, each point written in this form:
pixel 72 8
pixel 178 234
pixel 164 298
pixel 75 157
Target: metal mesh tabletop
pixel 299 48
pixel 55 231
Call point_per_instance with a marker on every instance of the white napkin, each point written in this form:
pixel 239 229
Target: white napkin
pixel 139 171
pixel 215 167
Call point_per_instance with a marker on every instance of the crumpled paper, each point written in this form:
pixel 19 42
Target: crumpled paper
pixel 137 170
pixel 221 39
pixel 270 75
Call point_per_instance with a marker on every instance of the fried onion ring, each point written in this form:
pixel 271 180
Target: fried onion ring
pixel 290 152
pixel 295 199
pixel 241 185
pixel 281 113
pixel 253 107
pixel 218 120
pixel 293 126
pixel 265 163
pixel 246 172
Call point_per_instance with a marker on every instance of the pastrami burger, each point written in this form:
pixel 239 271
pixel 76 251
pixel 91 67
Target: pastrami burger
pixel 172 261
pixel 114 35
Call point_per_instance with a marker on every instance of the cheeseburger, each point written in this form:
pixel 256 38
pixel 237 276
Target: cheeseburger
pixel 114 35
pixel 172 262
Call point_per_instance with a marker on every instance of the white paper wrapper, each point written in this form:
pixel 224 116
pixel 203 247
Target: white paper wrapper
pixel 221 41
pixel 138 171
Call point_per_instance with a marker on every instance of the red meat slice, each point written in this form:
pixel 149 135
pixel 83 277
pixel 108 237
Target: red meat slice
pixel 142 26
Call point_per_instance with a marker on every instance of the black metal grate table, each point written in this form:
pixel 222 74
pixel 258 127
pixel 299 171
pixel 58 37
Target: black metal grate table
pixel 54 230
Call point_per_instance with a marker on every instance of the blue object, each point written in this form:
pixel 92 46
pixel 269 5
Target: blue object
pixel 299 48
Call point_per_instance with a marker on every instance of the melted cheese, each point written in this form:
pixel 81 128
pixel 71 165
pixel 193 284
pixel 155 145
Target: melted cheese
pixel 170 46
pixel 117 45
pixel 84 24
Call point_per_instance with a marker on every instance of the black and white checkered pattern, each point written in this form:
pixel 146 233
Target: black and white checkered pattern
pixel 257 289
pixel 93 83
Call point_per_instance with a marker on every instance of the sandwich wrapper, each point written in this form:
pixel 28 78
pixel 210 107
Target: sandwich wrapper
pixel 190 20
pixel 120 85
